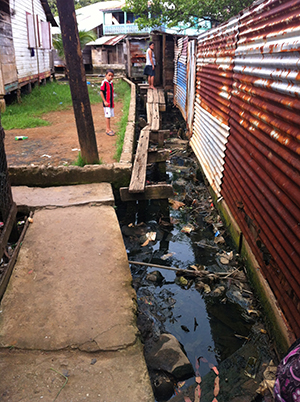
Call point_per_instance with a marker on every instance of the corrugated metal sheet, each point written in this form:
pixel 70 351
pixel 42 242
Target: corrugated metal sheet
pixel 107 40
pixel 180 76
pixel 191 73
pixel 261 182
pixel 215 54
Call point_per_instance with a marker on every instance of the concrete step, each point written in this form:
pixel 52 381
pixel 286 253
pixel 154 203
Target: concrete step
pixel 63 196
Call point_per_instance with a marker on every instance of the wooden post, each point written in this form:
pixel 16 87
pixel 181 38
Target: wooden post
pixel 77 80
pixel 157 51
pixel 128 58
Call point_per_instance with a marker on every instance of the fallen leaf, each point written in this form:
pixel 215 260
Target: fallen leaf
pixel 151 236
pixel 197 394
pixel 214 368
pixel 217 386
pixel 146 243
pixel 176 204
pixel 263 331
pixel 219 239
pixel 187 229
pixel 166 256
pixel 174 221
pixel 253 312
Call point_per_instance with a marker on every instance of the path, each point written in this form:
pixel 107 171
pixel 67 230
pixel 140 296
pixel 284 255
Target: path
pixel 58 143
pixel 69 309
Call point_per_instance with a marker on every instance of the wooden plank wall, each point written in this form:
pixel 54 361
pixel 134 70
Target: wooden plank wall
pixel 26 63
pixel 8 71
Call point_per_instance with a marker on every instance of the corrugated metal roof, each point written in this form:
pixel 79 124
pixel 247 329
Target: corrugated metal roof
pixel 107 40
pixel 91 16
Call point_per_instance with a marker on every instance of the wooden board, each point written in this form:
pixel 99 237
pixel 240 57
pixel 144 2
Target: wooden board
pixel 158 156
pixel 161 96
pixel 155 96
pixel 155 117
pixel 138 174
pixel 150 96
pixel 149 108
pixel 11 220
pixel 151 192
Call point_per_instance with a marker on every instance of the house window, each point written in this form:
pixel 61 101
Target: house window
pixel 30 30
pixel 46 37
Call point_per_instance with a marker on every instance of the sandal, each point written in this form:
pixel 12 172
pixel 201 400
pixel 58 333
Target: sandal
pixel 110 133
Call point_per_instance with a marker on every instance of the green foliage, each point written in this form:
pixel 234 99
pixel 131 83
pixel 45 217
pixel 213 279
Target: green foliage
pixel 123 92
pixel 46 98
pixel 84 38
pixel 53 7
pixel 171 13
pixel 80 161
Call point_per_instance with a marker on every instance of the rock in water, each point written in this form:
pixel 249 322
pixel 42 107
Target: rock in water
pixel 167 355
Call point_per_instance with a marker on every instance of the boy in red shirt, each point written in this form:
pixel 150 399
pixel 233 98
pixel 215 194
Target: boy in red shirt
pixel 107 95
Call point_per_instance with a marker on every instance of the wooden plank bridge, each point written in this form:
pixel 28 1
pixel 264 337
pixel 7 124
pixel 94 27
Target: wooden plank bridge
pixel 138 190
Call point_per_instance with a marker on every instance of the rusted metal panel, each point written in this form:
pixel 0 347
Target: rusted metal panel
pixel 191 76
pixel 261 182
pixel 215 53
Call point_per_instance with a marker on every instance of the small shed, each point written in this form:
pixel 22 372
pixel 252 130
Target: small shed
pixel 108 52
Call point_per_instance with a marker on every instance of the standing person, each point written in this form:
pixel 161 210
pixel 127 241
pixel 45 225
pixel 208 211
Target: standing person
pixel 107 95
pixel 149 69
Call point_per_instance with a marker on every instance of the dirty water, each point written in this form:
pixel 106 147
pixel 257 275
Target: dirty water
pixel 213 313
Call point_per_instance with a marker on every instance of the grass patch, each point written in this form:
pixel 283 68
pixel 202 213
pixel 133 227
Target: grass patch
pixel 123 92
pixel 80 161
pixel 53 96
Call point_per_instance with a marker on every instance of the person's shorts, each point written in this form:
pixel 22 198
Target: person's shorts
pixel 148 70
pixel 109 112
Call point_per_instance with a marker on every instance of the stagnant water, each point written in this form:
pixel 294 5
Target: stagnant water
pixel 217 318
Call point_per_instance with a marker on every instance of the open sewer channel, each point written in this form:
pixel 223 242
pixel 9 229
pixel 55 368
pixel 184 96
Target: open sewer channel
pixel 210 313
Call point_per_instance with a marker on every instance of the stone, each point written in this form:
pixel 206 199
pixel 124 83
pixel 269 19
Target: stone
pixel 162 385
pixel 207 289
pixel 181 280
pixel 218 291
pixel 167 355
pixel 155 276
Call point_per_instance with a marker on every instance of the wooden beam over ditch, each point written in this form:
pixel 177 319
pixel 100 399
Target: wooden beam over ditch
pixel 158 191
pixel 138 175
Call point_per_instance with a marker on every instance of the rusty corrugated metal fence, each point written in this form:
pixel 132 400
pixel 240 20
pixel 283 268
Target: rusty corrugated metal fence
pixel 246 135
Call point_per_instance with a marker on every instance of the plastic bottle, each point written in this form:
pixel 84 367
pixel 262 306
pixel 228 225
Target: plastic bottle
pixel 20 137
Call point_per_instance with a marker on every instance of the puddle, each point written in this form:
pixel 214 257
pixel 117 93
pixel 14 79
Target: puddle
pixel 212 314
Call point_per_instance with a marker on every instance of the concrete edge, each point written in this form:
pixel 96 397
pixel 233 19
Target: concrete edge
pixel 127 152
pixel 274 317
pixel 118 174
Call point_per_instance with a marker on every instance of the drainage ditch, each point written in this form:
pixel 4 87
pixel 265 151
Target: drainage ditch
pixel 200 322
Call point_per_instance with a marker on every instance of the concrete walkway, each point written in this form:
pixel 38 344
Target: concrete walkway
pixel 68 313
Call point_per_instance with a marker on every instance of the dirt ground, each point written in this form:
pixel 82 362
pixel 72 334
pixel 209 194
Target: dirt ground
pixel 58 143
